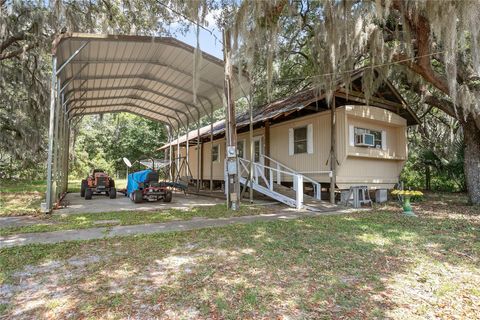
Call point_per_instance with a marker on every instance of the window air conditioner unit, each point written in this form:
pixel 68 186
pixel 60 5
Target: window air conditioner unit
pixel 365 140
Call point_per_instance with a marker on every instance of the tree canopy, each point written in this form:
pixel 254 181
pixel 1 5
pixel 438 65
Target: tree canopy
pixel 428 48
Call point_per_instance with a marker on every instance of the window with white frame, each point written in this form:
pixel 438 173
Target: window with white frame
pixel 300 140
pixel 241 148
pixel 368 138
pixel 216 153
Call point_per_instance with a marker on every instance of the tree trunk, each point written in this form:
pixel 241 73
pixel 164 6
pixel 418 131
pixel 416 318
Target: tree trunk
pixel 428 177
pixel 472 160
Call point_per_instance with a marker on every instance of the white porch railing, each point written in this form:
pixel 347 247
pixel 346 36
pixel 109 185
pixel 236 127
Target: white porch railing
pixel 317 187
pixel 268 184
pixel 265 185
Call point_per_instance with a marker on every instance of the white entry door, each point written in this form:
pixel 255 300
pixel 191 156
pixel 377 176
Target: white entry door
pixel 258 149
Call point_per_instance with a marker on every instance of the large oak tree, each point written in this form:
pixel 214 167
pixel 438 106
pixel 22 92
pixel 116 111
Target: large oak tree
pixel 434 44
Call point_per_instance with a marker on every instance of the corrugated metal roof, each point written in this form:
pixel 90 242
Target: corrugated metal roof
pixel 294 102
pixel 147 76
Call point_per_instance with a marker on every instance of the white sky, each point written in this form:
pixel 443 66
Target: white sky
pixel 208 43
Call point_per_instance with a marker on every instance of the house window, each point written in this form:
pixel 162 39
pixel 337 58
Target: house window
pixel 241 148
pixel 216 153
pixel 368 138
pixel 300 141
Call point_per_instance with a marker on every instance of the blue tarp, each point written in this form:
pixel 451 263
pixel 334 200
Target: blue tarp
pixel 134 179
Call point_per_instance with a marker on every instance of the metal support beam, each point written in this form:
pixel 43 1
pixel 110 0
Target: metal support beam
pixel 178 154
pixel 133 97
pixel 71 58
pixel 198 151
pixel 333 158
pixel 122 109
pixel 145 77
pixel 170 150
pixel 211 149
pixel 49 196
pixel 65 85
pixel 187 155
pixel 153 63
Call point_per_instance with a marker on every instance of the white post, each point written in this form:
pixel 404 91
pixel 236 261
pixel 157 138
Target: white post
pixel 299 191
pixel 270 177
pixel 318 191
pixel 279 175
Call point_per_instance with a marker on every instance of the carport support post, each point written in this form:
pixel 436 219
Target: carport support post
pixel 232 183
pixel 178 155
pixel 333 158
pixel 57 142
pixel 48 205
pixel 211 149
pixel 187 158
pixel 198 153
pixel 170 150
pixel 66 155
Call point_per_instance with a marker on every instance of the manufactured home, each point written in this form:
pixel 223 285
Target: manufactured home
pixel 293 136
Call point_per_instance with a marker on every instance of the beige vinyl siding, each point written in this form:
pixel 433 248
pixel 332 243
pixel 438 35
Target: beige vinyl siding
pixel 375 173
pixel 357 165
pixel 377 168
pixel 319 159
pixel 218 167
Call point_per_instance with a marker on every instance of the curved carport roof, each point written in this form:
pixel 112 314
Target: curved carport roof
pixel 152 77
pixel 148 76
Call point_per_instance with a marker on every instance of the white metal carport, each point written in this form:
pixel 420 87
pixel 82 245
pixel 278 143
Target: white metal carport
pixel 152 77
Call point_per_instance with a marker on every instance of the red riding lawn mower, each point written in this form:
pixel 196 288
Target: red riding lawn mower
pixel 98 183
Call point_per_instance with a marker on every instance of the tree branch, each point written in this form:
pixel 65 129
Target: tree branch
pixel 15 53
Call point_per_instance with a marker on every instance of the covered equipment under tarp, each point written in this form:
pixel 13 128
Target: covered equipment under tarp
pixel 136 179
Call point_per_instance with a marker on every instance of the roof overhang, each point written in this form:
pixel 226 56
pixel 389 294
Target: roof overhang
pixel 148 76
pixel 298 101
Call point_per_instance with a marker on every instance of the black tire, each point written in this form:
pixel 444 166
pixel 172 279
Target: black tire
pixel 111 182
pixel 168 196
pixel 112 193
pixel 83 187
pixel 137 196
pixel 88 194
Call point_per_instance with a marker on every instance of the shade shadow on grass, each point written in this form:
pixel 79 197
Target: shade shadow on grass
pixel 327 267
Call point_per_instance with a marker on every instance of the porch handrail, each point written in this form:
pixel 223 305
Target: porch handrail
pixel 297 172
pixel 317 187
pixel 267 167
pixel 258 172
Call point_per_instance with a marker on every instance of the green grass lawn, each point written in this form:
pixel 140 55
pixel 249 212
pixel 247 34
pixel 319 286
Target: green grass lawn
pixel 89 220
pixel 365 265
pixel 24 197
pixel 21 197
